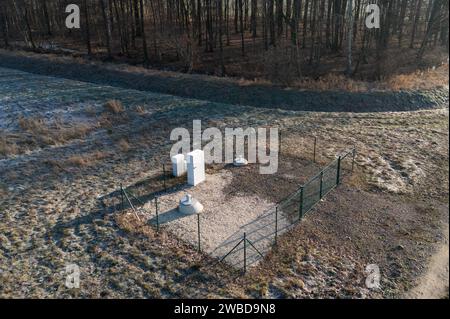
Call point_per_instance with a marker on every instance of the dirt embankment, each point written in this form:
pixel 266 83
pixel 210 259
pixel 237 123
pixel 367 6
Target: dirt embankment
pixel 226 90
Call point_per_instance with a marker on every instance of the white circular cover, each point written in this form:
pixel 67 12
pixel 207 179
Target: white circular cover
pixel 190 206
pixel 240 161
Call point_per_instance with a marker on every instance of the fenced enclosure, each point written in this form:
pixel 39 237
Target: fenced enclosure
pixel 249 242
pixel 261 234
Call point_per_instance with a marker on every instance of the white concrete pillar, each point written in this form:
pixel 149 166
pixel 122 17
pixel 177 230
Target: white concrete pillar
pixel 196 167
pixel 178 165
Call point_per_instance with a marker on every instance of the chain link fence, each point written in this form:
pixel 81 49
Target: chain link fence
pixel 256 238
pixel 260 235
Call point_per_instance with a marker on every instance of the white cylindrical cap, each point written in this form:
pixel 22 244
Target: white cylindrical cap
pixel 189 205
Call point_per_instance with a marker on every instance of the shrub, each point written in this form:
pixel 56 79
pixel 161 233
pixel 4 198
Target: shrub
pixel 85 159
pixel 124 146
pixel 114 106
pixel 7 147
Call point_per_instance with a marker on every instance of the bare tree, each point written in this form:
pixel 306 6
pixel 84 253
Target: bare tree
pixel 107 24
pixel 349 37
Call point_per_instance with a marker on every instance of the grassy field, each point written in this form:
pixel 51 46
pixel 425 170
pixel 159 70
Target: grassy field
pixel 64 143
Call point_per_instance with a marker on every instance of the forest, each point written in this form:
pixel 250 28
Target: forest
pixel 278 40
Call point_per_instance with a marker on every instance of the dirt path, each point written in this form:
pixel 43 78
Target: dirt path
pixel 434 283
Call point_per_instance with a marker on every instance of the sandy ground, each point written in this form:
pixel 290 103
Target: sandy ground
pixel 434 283
pixel 390 212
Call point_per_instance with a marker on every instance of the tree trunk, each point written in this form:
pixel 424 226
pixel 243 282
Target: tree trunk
pixel 4 24
pixel 144 37
pixel 46 18
pixel 254 5
pixel 107 22
pixel 432 26
pixel 222 63
pixel 241 24
pixel 415 24
pixel 87 22
pixel 349 37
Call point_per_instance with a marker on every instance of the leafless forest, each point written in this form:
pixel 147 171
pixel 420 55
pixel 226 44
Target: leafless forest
pixel 279 40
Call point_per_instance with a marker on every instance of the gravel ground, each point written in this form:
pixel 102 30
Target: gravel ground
pixel 228 214
pixel 223 218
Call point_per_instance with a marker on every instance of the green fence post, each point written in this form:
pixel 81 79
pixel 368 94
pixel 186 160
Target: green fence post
pixel 164 177
pixel 321 185
pixel 245 253
pixel 315 143
pixel 338 173
pixel 198 229
pixel 121 196
pixel 157 214
pixel 279 142
pixel 300 206
pixel 276 225
pixel 353 159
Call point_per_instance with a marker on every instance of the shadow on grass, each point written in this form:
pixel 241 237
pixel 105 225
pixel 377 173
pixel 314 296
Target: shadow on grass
pixel 229 92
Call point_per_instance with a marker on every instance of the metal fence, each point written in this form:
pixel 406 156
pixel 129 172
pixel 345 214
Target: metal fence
pixel 255 239
pixel 262 233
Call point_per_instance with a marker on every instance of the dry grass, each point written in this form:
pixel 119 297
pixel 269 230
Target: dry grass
pixel 35 125
pixel 90 110
pixel 257 81
pixel 86 159
pixel 123 145
pixel 332 82
pixel 7 147
pixel 52 133
pixel 114 107
pixel 309 262
pixel 78 160
pixel 418 80
pixel 139 109
pixel 83 160
pixel 430 78
pixel 39 133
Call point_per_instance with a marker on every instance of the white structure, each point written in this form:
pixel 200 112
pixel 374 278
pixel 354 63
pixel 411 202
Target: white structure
pixel 240 161
pixel 178 165
pixel 190 206
pixel 196 167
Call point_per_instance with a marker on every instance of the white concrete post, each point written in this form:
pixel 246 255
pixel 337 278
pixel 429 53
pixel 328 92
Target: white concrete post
pixel 178 165
pixel 196 167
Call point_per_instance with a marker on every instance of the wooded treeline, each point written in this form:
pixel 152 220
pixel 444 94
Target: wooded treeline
pixel 287 35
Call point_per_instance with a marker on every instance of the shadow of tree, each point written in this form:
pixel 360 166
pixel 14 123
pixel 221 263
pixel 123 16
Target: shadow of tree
pixel 225 91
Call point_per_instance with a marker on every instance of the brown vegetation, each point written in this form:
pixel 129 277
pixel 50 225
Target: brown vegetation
pixel 85 159
pixel 123 145
pixel 39 133
pixel 52 133
pixel 282 41
pixel 114 107
pixel 6 146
